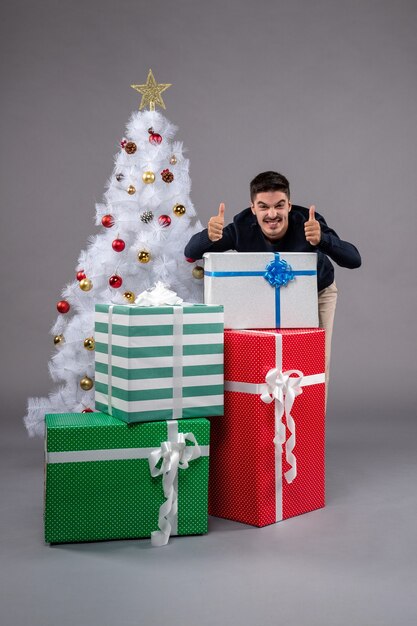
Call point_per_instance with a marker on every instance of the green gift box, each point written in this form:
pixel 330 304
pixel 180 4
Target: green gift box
pixel 105 479
pixel 159 362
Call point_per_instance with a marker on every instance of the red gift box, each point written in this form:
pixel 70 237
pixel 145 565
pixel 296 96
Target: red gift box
pixel 267 454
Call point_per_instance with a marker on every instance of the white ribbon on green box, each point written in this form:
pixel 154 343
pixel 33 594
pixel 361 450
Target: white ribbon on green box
pixel 174 454
pixel 282 388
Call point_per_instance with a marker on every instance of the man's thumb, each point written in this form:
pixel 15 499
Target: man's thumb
pixel 221 209
pixel 312 215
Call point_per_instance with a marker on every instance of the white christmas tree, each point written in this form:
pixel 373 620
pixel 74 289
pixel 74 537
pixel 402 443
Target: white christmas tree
pixel 145 221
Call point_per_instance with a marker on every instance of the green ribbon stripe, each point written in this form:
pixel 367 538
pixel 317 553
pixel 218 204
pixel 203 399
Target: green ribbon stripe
pixel 122 309
pixel 157 330
pixel 159 351
pixel 162 414
pixel 127 373
pixel 160 394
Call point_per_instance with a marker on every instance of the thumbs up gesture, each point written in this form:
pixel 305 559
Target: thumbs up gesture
pixel 312 230
pixel 216 224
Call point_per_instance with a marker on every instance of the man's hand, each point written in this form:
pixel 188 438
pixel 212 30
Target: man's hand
pixel 216 224
pixel 312 230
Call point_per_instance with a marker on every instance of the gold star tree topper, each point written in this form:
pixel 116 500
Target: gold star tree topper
pixel 151 93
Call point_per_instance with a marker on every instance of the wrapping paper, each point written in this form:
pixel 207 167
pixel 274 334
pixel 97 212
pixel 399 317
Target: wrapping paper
pixel 98 482
pixel 252 479
pixel 237 281
pixel 159 362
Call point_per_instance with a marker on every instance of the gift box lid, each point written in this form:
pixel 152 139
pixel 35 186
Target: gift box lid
pixel 256 261
pixel 99 431
pixel 135 309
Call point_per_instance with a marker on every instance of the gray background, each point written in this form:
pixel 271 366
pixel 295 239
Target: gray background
pixel 323 91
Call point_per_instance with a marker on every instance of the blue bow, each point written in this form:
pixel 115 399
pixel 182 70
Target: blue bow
pixel 278 273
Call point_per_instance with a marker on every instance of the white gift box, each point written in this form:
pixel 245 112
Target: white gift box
pixel 263 289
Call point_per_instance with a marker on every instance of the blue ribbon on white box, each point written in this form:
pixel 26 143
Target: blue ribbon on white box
pixel 278 273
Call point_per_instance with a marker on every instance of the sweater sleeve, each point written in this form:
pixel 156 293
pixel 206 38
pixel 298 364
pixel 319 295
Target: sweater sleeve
pixel 341 252
pixel 200 243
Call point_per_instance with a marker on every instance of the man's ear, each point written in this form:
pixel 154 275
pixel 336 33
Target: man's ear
pixel 252 206
pixel 290 206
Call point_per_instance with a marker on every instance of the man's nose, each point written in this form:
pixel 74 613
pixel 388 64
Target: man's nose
pixel 272 212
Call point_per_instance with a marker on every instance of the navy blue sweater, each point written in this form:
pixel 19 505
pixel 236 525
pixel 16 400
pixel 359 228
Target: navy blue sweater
pixel 245 235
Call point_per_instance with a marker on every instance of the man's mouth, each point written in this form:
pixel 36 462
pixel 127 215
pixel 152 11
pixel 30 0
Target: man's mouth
pixel 276 220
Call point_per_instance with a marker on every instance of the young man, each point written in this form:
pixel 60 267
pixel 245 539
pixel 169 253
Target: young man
pixel 273 224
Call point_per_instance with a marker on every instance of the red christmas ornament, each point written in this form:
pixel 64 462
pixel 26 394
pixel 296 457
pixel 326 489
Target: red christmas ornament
pixel 80 275
pixel 154 138
pixel 63 306
pixel 123 142
pixel 164 220
pixel 107 221
pixel 115 281
pixel 190 260
pixel 87 411
pixel 118 245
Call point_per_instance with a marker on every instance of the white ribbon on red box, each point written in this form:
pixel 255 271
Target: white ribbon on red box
pixel 282 388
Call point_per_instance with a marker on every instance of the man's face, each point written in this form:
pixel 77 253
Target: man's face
pixel 271 209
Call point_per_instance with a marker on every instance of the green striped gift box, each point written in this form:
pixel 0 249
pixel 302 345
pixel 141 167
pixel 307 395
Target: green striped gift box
pixel 159 363
pixel 98 483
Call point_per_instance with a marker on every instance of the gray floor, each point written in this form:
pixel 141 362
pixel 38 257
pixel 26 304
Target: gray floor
pixel 352 563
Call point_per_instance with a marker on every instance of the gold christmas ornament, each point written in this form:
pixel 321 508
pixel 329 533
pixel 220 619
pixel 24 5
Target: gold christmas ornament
pixel 131 190
pixel 86 383
pixel 89 343
pixel 179 209
pixel 198 272
pixel 148 177
pixel 129 296
pixel 144 256
pixel 58 339
pixel 151 92
pixel 173 160
pixel 85 284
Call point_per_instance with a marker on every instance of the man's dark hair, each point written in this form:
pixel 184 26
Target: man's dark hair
pixel 269 181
